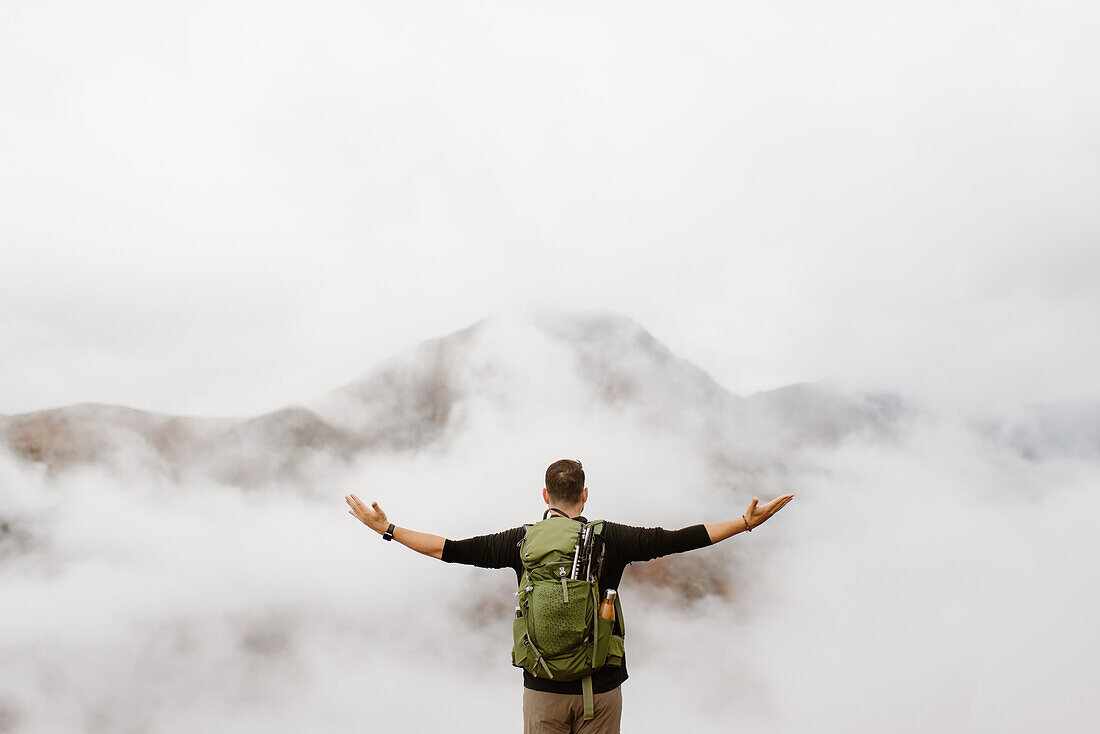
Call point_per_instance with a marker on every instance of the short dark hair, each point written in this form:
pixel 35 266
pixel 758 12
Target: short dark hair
pixel 565 481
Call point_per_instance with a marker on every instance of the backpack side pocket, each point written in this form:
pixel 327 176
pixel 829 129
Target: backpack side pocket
pixel 520 646
pixel 615 651
pixel 604 628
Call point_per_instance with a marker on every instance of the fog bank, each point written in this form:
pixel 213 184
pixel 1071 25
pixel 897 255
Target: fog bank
pixel 938 581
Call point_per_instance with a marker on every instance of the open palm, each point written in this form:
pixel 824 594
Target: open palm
pixel 372 516
pixel 757 514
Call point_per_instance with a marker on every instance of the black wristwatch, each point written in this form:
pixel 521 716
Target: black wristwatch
pixel 388 535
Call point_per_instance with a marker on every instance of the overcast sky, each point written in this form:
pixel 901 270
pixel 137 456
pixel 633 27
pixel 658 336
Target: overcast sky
pixel 227 207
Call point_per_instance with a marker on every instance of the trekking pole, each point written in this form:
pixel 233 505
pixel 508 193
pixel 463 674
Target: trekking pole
pixel 579 557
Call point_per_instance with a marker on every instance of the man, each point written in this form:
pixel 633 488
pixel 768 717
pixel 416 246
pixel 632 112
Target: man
pixel 550 705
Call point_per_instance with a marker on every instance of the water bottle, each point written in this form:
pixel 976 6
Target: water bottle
pixel 607 606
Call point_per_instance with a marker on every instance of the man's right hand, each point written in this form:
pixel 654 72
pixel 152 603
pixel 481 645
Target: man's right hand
pixel 372 516
pixel 376 520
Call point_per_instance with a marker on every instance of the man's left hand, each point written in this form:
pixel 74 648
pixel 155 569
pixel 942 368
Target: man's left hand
pixel 756 515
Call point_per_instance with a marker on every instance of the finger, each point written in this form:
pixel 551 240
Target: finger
pixel 780 506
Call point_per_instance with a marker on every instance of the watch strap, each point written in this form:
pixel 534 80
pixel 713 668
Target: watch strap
pixel 388 535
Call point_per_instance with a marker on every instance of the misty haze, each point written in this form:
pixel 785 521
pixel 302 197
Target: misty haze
pixel 167 574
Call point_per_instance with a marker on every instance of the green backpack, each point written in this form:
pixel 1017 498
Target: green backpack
pixel 557 632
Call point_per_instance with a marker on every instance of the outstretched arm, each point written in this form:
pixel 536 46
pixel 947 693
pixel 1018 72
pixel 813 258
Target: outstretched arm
pixel 719 531
pixel 375 519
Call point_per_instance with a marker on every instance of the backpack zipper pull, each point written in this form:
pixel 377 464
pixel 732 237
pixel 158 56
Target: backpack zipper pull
pixel 564 591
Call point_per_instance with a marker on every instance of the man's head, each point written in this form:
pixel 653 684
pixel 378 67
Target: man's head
pixel 565 483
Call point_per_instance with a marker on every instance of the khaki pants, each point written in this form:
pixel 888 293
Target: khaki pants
pixel 556 713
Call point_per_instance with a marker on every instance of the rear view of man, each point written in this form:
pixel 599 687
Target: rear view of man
pixel 551 706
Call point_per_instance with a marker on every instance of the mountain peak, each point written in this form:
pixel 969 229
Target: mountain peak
pixel 552 359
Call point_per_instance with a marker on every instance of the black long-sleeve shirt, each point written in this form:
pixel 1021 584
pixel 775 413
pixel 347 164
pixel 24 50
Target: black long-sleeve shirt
pixel 624 544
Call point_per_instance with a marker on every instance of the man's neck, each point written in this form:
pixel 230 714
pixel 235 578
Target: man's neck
pixel 575 511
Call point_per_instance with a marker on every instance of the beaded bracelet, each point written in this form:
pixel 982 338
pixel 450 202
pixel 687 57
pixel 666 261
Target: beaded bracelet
pixel 747 527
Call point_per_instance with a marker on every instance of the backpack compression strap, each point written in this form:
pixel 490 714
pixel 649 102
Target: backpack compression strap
pixel 589 701
pixel 586 682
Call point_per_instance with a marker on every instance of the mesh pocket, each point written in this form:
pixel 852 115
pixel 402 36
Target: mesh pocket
pixel 519 640
pixel 603 642
pixel 559 626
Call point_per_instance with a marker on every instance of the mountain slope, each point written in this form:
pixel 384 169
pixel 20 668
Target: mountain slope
pixel 559 364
